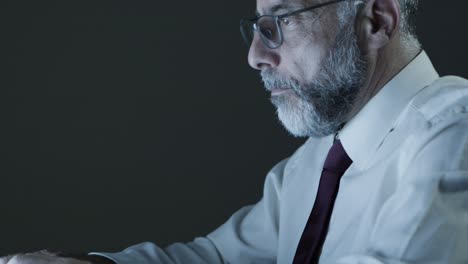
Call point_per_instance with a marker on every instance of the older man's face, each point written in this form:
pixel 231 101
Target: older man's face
pixel 315 74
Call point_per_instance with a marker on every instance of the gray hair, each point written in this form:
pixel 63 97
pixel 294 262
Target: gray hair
pixel 408 26
pixel 408 9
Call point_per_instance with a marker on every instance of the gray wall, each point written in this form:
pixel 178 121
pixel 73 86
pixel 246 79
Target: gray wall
pixel 131 121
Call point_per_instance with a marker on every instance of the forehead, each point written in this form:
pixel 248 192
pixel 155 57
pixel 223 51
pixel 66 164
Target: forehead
pixel 279 6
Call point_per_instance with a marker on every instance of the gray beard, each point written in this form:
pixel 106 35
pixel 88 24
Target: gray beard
pixel 320 108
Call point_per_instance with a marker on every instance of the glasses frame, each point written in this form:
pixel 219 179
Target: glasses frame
pixel 277 19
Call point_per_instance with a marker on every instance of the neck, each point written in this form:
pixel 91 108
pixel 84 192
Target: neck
pixel 386 63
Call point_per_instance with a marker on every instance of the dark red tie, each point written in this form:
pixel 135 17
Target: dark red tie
pixel 310 245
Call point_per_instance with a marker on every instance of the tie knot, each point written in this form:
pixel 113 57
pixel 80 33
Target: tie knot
pixel 337 159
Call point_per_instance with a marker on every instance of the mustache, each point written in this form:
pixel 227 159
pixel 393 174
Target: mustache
pixel 272 79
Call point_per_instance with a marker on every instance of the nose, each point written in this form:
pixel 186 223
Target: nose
pixel 260 56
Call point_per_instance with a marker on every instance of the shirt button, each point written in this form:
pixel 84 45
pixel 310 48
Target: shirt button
pixel 459 109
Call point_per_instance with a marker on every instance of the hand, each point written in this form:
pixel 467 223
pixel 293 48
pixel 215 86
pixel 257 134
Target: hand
pixel 40 257
pixel 44 256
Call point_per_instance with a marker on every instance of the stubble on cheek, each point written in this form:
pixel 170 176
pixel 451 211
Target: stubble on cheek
pixel 308 56
pixel 319 38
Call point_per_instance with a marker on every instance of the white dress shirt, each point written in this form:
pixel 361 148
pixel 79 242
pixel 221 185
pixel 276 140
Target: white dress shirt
pixel 404 199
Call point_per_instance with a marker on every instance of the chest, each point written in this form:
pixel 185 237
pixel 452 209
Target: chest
pixel 362 193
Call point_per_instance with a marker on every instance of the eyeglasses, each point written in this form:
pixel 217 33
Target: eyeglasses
pixel 269 28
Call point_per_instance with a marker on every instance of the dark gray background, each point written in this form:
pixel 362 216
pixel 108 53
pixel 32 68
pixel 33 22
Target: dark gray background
pixel 131 121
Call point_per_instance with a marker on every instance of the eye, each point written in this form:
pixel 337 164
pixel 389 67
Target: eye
pixel 286 21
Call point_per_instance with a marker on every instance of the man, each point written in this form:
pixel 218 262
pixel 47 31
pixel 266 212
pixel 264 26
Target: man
pixel 383 177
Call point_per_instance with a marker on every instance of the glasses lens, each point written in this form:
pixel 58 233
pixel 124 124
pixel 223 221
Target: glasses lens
pixel 269 31
pixel 247 31
pixel 267 28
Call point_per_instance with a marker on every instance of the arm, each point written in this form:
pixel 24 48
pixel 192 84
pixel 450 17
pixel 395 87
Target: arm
pixel 49 257
pixel 426 220
pixel 249 236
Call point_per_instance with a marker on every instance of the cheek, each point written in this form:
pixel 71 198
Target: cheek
pixel 307 61
pixel 304 53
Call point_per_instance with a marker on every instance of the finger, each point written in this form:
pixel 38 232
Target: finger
pixel 47 252
pixel 4 260
pixel 39 258
pixel 34 258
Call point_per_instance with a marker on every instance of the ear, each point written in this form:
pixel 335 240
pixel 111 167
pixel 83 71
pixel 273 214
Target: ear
pixel 377 24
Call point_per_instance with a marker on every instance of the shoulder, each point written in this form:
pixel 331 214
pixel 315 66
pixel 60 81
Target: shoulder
pixel 442 104
pixel 437 126
pixel 444 100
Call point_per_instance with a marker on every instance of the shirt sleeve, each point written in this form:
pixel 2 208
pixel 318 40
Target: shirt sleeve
pixel 426 220
pixel 249 236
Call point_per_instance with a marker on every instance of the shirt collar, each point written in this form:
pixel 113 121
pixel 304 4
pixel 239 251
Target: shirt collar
pixel 364 133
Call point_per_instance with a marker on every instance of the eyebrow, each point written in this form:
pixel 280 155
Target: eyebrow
pixel 276 8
